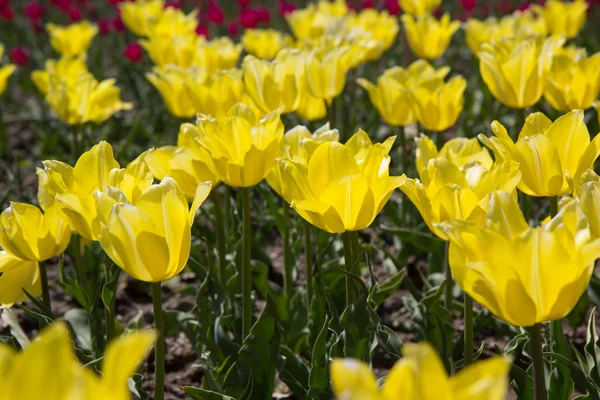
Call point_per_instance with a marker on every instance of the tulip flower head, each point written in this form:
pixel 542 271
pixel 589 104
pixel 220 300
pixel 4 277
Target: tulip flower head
pixel 459 151
pixel 326 72
pixel 15 275
pixel 523 275
pixel 140 15
pixel 516 70
pixel 412 377
pixel 171 81
pixel 216 93
pixel 341 187
pixel 242 146
pixel 552 155
pixel 381 26
pixel 5 71
pixel 265 43
pixel 65 69
pixel 564 18
pixel 419 7
pixel 427 37
pixel 574 80
pixel 71 40
pixel 149 238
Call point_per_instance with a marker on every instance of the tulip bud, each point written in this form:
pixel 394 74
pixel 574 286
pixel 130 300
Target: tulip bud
pixel 19 55
pixel 133 52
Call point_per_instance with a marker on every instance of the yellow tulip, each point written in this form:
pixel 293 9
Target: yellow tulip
pixel 275 84
pixel 326 72
pixel 436 104
pixel 149 238
pixel 296 147
pixel 523 275
pixel 419 7
pixel 515 69
pixel 71 40
pixel 563 18
pixel 65 69
pixel 171 81
pixel 215 94
pixel 265 43
pixel 242 146
pixel 311 108
pixel 589 199
pixel 173 22
pixel 5 71
pixel 381 26
pixel 15 275
pixel 219 53
pixel 73 187
pixel 421 375
pixel 552 155
pixel 390 96
pixel 334 8
pixel 574 80
pixel 596 105
pixel 48 369
pixel 307 23
pixel 362 47
pixel 428 37
pixel 341 187
pixel 139 15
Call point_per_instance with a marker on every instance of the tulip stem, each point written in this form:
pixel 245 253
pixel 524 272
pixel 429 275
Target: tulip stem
pixel 75 143
pixel 288 279
pixel 468 330
pixel 220 225
pixel 331 114
pixel 308 253
pixel 349 262
pixel 404 165
pixel 449 282
pixel 159 349
pixel 45 288
pixel 110 308
pixel 553 206
pixel 539 375
pixel 246 258
pixel 80 265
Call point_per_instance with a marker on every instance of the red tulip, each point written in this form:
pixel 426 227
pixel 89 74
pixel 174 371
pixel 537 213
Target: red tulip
pixel 393 7
pixel 286 8
pixel 75 14
pixel 368 4
pixel 468 5
pixel 117 23
pixel 4 3
pixel 262 15
pixel 215 13
pixel 248 19
pixel 7 13
pixel 243 3
pixel 104 26
pixel 233 28
pixel 19 55
pixel 202 30
pixel 34 10
pixel 133 52
pixel 173 4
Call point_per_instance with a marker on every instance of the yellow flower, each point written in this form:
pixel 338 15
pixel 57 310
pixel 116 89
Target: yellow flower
pixel 326 72
pixel 596 105
pixel 171 81
pixel 574 80
pixel 5 71
pixel 515 69
pixel 149 238
pixel 311 108
pixel 57 375
pixel 437 105
pixel 391 97
pixel 564 18
pixel 589 199
pixel 306 23
pixel 15 275
pixel 71 40
pixel 334 8
pixel 173 22
pixel 66 69
pixel 421 375
pixel 215 94
pixel 73 187
pixel 30 235
pixel 341 187
pixel 552 155
pixel 242 146
pixel 427 37
pixel 275 84
pixel 298 145
pixel 381 26
pixel 362 47
pixel 419 7
pixel 523 275
pixel 139 15
pixel 265 43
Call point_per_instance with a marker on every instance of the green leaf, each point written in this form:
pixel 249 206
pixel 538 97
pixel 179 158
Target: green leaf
pixel 294 372
pixel 10 318
pixel 561 386
pixel 422 241
pixel 202 394
pixel 319 373
pixel 79 321
pixel 592 351
pixel 380 292
pixel 391 341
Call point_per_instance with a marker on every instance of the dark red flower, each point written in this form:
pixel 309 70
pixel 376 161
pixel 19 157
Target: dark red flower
pixel 104 26
pixel 34 10
pixel 248 19
pixel 117 23
pixel 215 13
pixel 75 14
pixel 4 3
pixel 468 5
pixel 368 4
pixel 7 13
pixel 243 3
pixel 62 4
pixel 523 7
pixel 233 28
pixel 133 52
pixel 19 55
pixel 286 8
pixel 393 7
pixel 202 30
pixel 262 15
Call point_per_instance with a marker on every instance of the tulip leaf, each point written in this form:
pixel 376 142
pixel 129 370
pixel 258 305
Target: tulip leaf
pixel 561 386
pixel 203 394
pixel 79 321
pixel 381 291
pixel 319 374
pixel 16 331
pixel 294 372
pixel 391 341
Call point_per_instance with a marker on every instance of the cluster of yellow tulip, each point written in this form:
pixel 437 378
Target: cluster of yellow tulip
pixel 5 71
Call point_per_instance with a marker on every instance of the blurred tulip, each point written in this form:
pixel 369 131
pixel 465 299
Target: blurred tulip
pixel 34 10
pixel 202 30
pixel 5 72
pixel 326 72
pixel 248 19
pixel 7 13
pixel 574 80
pixel 459 151
pixel 139 15
pixel 341 187
pixel 16 276
pixel 149 238
pixel 71 40
pixel 233 28
pixel 437 105
pixel 380 25
pixel 552 155
pixel 265 43
pixel 171 82
pixel 564 18
pixel 296 147
pixel 427 37
pixel 419 7
pixel 286 8
pixel 311 108
pixel 66 69
pixel 118 24
pixel 263 15
pixel 19 55
pixel 75 14
pixel 172 22
pixel 133 52
pixel 104 26
pixel 242 146
pixel 411 378
pixel 468 5
pixel 215 13
pixel 523 275
pixel 215 94
pixel 516 70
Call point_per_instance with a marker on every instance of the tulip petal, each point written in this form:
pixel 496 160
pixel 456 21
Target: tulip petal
pixel 487 379
pixel 428 368
pixel 353 379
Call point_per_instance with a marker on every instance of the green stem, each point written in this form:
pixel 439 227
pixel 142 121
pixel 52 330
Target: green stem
pixel 45 288
pixel 404 165
pixel 80 265
pixel 468 329
pixel 355 248
pixel 159 348
pixel 519 122
pixel 449 281
pixel 439 140
pixel 288 281
pixel 246 258
pixel 331 114
pixel 110 309
pixel 349 262
pixel 220 222
pixel 553 206
pixel 308 252
pixel 75 139
pixel 539 374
